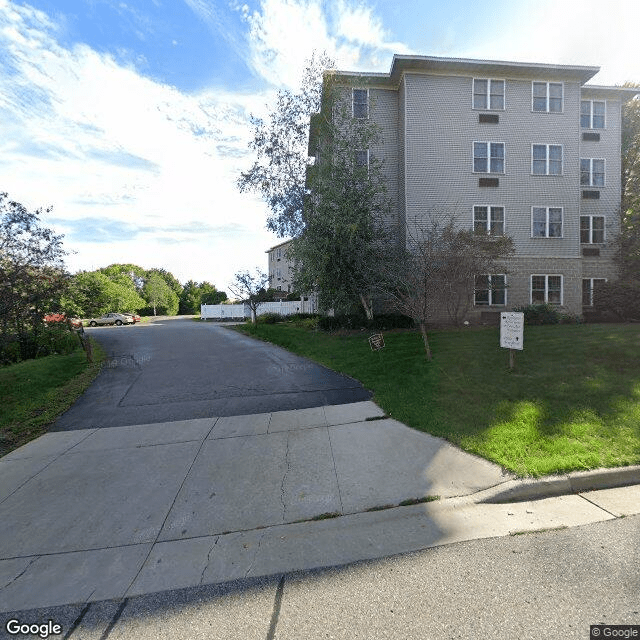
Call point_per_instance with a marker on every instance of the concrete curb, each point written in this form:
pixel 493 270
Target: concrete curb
pixel 550 486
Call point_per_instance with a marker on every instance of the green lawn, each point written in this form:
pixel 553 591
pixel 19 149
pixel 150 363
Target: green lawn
pixel 35 392
pixel 572 401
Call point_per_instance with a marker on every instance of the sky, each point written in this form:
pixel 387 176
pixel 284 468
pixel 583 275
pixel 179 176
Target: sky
pixel 131 118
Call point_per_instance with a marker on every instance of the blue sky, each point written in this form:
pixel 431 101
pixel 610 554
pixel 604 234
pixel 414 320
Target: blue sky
pixel 131 117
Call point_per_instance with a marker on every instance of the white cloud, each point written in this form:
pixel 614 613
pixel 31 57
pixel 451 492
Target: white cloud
pixel 581 32
pixel 98 140
pixel 285 33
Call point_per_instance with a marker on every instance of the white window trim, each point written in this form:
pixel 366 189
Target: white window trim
pixel 491 303
pixel 595 186
pixel 591 216
pixel 489 81
pixel 553 175
pixel 489 172
pixel 548 237
pixel 591 289
pixel 367 151
pixel 546 277
pixel 591 127
pixel 489 207
pixel 547 82
pixel 353 102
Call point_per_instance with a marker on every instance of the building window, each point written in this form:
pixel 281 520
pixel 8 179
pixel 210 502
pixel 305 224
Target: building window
pixel 546 160
pixel 591 172
pixel 278 274
pixel 546 289
pixel 488 220
pixel 490 290
pixel 547 97
pixel 488 157
pixel 591 229
pixel 488 94
pixel 360 103
pixel 592 114
pixel 362 158
pixel 588 287
pixel 546 222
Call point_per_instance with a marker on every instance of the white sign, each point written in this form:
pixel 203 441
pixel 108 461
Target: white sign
pixel 512 330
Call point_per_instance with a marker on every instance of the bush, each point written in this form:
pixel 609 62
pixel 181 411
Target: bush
pixel 540 314
pixel 57 338
pixel 358 321
pixel 269 318
pixel 620 299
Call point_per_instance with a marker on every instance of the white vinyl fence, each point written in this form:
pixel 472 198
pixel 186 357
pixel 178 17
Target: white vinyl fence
pixel 240 311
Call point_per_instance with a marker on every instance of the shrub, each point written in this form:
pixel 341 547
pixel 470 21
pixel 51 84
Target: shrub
pixel 621 299
pixel 270 318
pixel 540 314
pixel 358 321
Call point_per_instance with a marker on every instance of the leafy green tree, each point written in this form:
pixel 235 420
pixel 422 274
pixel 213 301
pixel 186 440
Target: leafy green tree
pixel 280 144
pixel 629 243
pixel 194 295
pixel 336 209
pixel 94 293
pixel 32 276
pixel 159 295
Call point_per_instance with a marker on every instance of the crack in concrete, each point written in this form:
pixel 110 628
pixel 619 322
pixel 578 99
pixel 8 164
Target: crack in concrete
pixel 206 566
pixel 255 555
pixel 335 470
pixel 284 477
pixel 19 575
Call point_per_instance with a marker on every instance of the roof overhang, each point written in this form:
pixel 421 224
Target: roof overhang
pixel 612 93
pixel 403 64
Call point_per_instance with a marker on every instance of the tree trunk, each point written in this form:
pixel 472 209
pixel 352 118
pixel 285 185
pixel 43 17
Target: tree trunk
pixel 368 307
pixel 253 315
pixel 427 348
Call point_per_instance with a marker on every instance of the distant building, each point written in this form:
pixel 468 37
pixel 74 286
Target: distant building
pixel 280 268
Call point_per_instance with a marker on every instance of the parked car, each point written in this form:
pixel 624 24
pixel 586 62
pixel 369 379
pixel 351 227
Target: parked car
pixel 111 318
pixel 134 317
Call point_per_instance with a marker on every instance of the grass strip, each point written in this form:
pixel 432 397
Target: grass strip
pixel 35 392
pixel 571 403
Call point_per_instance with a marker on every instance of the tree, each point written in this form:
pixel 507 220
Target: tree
pixel 439 269
pixel 32 275
pixel 281 146
pixel 335 209
pixel 348 236
pixel 93 293
pixel 629 241
pixel 194 295
pixel 247 287
pixel 159 295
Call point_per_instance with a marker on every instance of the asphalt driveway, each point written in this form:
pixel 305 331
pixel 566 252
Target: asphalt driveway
pixel 180 369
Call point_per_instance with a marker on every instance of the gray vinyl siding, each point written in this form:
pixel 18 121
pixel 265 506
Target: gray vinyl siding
pixel 441 127
pixel 401 157
pixel 383 111
pixel 607 148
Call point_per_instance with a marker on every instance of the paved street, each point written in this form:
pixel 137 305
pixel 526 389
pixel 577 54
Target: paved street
pixel 179 369
pixel 538 586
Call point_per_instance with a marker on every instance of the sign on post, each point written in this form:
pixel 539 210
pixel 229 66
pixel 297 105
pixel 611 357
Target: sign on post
pixel 512 333
pixel 512 330
pixel 376 341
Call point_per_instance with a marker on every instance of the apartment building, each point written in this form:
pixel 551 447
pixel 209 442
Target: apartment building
pixel 527 150
pixel 280 268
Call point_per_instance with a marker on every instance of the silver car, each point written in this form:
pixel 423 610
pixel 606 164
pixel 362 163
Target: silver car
pixel 111 318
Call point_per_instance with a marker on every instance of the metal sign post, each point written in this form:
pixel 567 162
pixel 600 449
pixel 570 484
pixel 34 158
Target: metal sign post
pixel 512 333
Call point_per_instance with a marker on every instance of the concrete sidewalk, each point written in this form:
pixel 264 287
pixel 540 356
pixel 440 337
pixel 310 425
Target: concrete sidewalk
pixel 111 513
